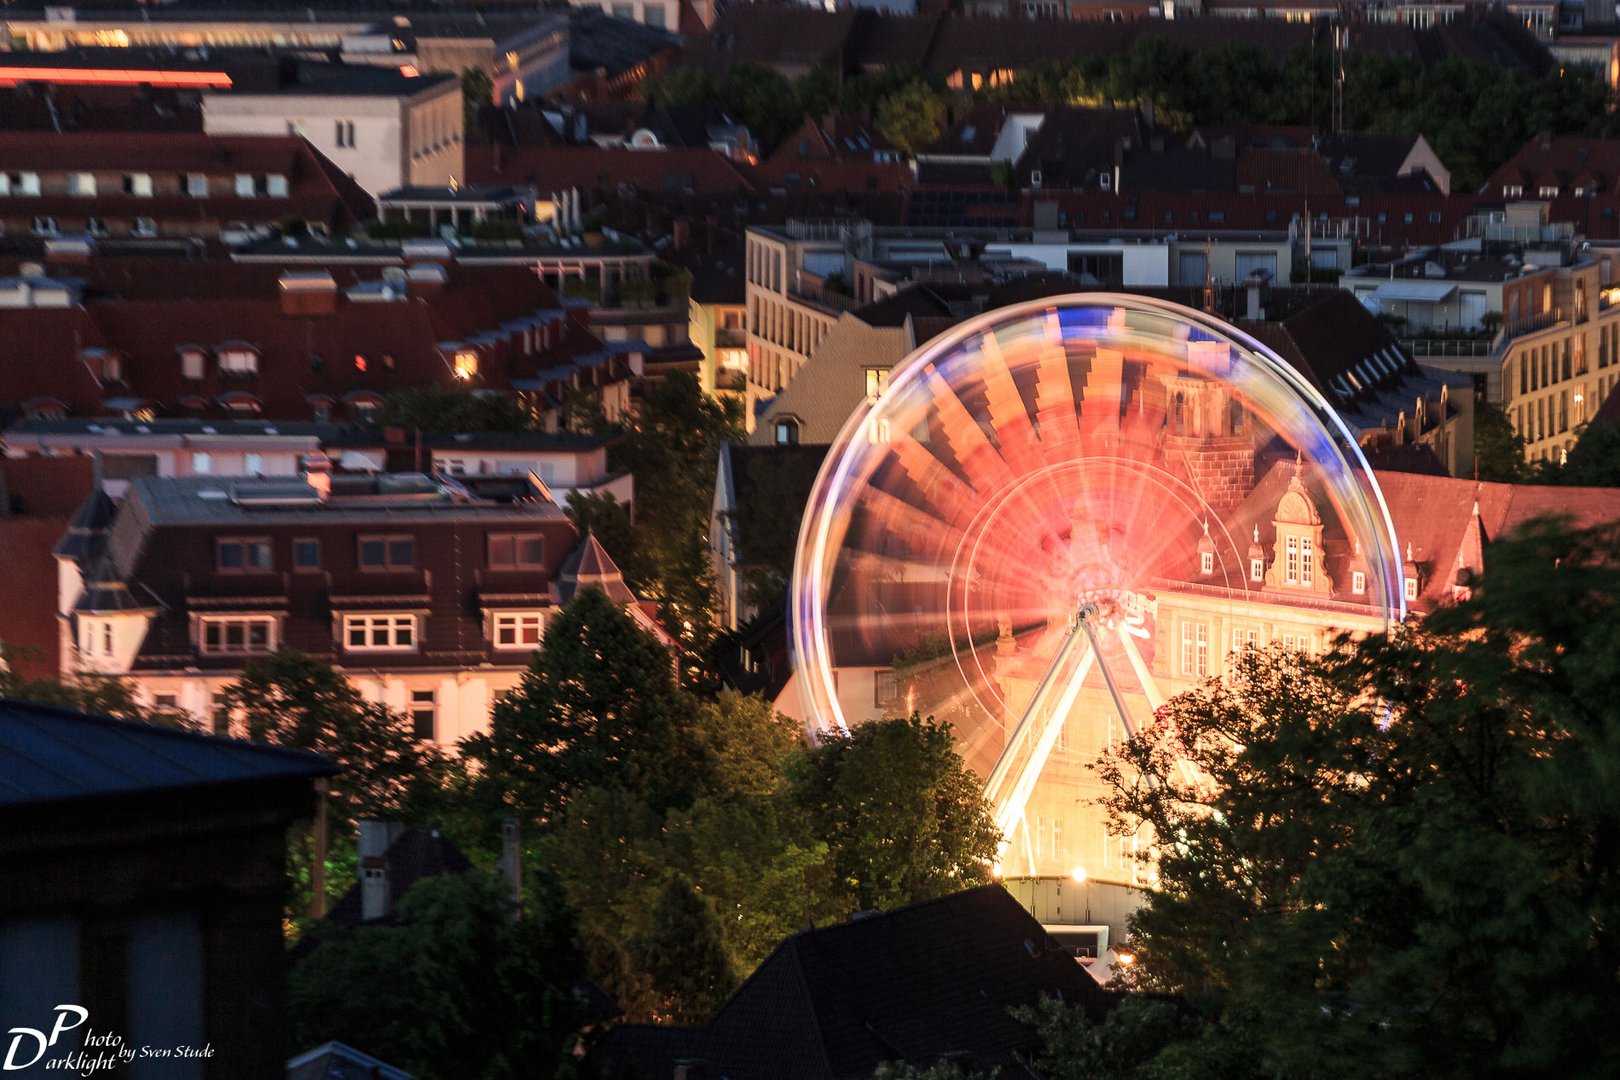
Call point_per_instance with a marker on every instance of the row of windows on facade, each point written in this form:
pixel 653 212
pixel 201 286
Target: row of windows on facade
pixel 253 555
pixel 140 185
pixel 1551 416
pixel 423 713
pixel 258 635
pixel 241 361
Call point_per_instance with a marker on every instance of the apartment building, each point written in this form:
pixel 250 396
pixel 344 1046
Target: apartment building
pixel 1520 305
pixel 387 127
pixel 162 184
pixel 429 594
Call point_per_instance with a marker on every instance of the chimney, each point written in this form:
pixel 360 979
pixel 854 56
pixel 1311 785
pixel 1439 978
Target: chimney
pixel 376 837
pixel 510 865
pixel 308 292
pixel 318 474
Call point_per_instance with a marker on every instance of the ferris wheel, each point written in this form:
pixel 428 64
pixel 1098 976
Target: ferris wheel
pixel 1060 514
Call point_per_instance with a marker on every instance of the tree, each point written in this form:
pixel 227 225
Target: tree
pixel 599 707
pixel 460 984
pixel 291 699
pixel 901 813
pixel 1397 861
pixel 1595 459
pixel 1498 449
pixel 477 90
pixel 671 449
pixel 453 408
pixel 680 953
pixel 1121 1046
pixel 97 694
pixel 912 117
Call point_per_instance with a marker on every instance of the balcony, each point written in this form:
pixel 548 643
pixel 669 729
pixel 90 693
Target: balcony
pixel 1530 324
pixel 730 338
pixel 1424 348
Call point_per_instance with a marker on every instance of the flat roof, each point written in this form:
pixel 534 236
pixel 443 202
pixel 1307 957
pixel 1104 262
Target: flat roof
pixel 393 498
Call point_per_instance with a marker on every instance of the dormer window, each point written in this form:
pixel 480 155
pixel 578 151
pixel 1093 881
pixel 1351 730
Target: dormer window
pixel 1257 570
pixel 466 364
pixel 193 361
pixel 194 184
pixel 1411 588
pixel 82 184
pixel 1306 561
pixel 244 186
pixel 1549 191
pixel 1358 583
pixel 1512 191
pixel 138 184
pixel 1206 563
pixel 275 186
pixel 787 432
pixel 238 362
pixel 876 380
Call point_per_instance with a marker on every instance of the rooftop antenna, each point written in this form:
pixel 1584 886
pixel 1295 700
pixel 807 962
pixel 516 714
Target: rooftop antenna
pixel 1341 42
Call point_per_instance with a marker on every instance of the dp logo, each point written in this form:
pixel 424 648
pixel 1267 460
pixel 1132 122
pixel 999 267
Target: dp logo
pixel 41 1042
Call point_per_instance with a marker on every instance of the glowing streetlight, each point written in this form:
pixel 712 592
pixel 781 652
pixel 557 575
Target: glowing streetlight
pixel 1079 875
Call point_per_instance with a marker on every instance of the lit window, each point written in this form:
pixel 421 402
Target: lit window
pixel 387 552
pixel 885 686
pixel 1358 582
pixel 519 629
pixel 876 380
pixel 242 556
pixel 139 184
pixel 1206 562
pixel 1257 569
pixel 422 714
pixel 380 633
pixel 1411 588
pixel 516 551
pixel 1194 649
pixel 1293 561
pixel 106 638
pixel 238 363
pixel 466 364
pixel 81 183
pixel 237 636
pixel 275 186
pixel 1305 560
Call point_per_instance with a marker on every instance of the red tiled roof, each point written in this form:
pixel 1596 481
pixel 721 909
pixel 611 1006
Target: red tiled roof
pixel 28 624
pixel 595 168
pixel 145 309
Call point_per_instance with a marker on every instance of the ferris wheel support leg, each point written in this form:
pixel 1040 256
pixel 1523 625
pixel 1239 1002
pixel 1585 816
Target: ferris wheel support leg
pixel 1143 676
pixel 1009 811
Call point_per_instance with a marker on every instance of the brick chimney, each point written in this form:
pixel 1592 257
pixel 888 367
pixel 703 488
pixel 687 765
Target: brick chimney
pixel 308 292
pixel 376 837
pixel 510 865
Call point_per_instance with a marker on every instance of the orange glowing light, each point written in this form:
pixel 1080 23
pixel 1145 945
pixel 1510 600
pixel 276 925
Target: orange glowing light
pixel 11 75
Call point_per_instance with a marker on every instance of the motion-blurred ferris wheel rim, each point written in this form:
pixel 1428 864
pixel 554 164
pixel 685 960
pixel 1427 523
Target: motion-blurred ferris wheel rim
pixel 1314 429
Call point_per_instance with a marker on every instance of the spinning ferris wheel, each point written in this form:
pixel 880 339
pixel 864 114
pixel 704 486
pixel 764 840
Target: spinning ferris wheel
pixel 1057 516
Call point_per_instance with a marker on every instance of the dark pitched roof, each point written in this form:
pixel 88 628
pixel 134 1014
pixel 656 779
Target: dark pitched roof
pixel 417 854
pixel 51 755
pixel 605 169
pixel 339 1061
pixel 916 984
pixel 590 566
pixel 1074 145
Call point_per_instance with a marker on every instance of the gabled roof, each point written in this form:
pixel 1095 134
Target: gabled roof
pixel 416 855
pixel 339 1061
pixel 918 984
pixel 51 755
pixel 830 385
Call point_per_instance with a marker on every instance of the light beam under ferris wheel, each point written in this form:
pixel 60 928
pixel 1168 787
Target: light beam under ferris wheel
pixel 1008 522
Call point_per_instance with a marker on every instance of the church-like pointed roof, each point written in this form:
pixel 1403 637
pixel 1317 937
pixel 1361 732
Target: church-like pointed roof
pixel 590 566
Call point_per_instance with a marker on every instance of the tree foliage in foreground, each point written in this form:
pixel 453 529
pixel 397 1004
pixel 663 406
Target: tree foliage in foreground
pixel 691 836
pixel 1439 897
pixel 462 984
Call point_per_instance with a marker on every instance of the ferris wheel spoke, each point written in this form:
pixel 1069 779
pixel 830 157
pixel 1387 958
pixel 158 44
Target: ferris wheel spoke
pixel 1008 414
pixel 975 454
